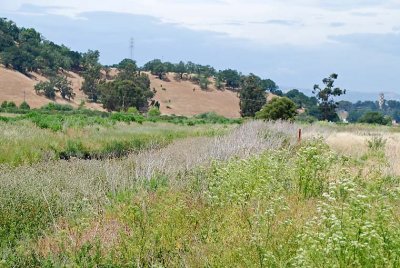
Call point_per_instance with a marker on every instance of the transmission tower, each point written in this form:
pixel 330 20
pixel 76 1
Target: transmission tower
pixel 381 100
pixel 132 47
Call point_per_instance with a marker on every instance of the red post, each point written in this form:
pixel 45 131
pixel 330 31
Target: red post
pixel 299 136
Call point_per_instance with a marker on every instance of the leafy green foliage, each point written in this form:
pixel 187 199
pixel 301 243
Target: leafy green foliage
pixel 8 104
pixel 62 85
pixel 47 88
pixel 271 86
pixel 156 67
pixel 231 78
pixel 180 68
pixel 325 99
pixel 24 106
pixel 301 100
pixel 129 89
pixel 375 118
pixel 278 108
pixel 252 96
pixel 55 84
pixel 92 74
pixel 26 50
pixel 153 111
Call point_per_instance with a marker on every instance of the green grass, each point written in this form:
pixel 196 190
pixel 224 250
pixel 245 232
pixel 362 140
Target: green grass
pixel 299 205
pixel 22 142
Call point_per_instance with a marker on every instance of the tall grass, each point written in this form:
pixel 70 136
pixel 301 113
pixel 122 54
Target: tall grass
pixel 24 143
pixel 254 197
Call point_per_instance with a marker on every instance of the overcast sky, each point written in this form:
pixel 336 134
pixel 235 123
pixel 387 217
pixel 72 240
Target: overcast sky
pixel 294 42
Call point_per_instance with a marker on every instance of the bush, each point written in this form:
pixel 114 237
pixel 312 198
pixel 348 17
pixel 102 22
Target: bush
pixel 278 108
pixel 57 107
pixel 25 106
pixel 306 118
pixel 133 110
pixel 11 105
pixel 153 112
pixel 375 118
pixel 4 105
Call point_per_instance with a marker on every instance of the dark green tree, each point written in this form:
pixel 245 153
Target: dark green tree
pixel 231 78
pixel 63 85
pixel 17 58
pixel 252 96
pixel 325 97
pixel 271 87
pixel 180 68
pixel 127 69
pixel 156 67
pixel 26 50
pixel 92 74
pixel 301 100
pixel 375 118
pixel 47 88
pixel 4 104
pixel 123 94
pixel 278 108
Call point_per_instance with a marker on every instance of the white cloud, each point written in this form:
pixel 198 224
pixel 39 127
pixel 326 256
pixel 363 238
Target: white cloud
pixel 308 22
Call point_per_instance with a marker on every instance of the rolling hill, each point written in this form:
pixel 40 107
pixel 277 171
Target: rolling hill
pixel 179 98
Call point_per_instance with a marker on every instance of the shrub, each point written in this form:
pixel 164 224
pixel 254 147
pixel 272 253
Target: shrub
pixel 153 112
pixel 375 118
pixel 278 108
pixel 133 110
pixel 305 118
pixel 57 107
pixel 4 104
pixel 11 105
pixel 25 106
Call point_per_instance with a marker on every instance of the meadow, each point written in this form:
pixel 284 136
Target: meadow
pixel 199 195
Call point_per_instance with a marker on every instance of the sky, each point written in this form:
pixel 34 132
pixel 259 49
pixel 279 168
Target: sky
pixel 293 42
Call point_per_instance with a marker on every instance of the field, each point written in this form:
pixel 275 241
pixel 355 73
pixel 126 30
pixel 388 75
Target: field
pixel 165 194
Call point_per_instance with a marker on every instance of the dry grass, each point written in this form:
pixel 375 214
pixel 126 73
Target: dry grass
pixel 124 205
pixel 178 96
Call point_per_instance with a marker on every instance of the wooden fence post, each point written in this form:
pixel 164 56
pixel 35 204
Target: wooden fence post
pixel 299 136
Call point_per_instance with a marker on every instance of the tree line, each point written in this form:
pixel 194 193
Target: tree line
pixel 26 50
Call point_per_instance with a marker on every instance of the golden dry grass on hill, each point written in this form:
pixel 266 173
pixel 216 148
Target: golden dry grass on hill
pixel 175 97
pixel 186 98
pixel 15 86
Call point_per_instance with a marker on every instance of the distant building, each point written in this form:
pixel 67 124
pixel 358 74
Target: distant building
pixel 343 115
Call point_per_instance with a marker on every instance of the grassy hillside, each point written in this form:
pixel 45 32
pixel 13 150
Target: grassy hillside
pixel 174 97
pixel 15 86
